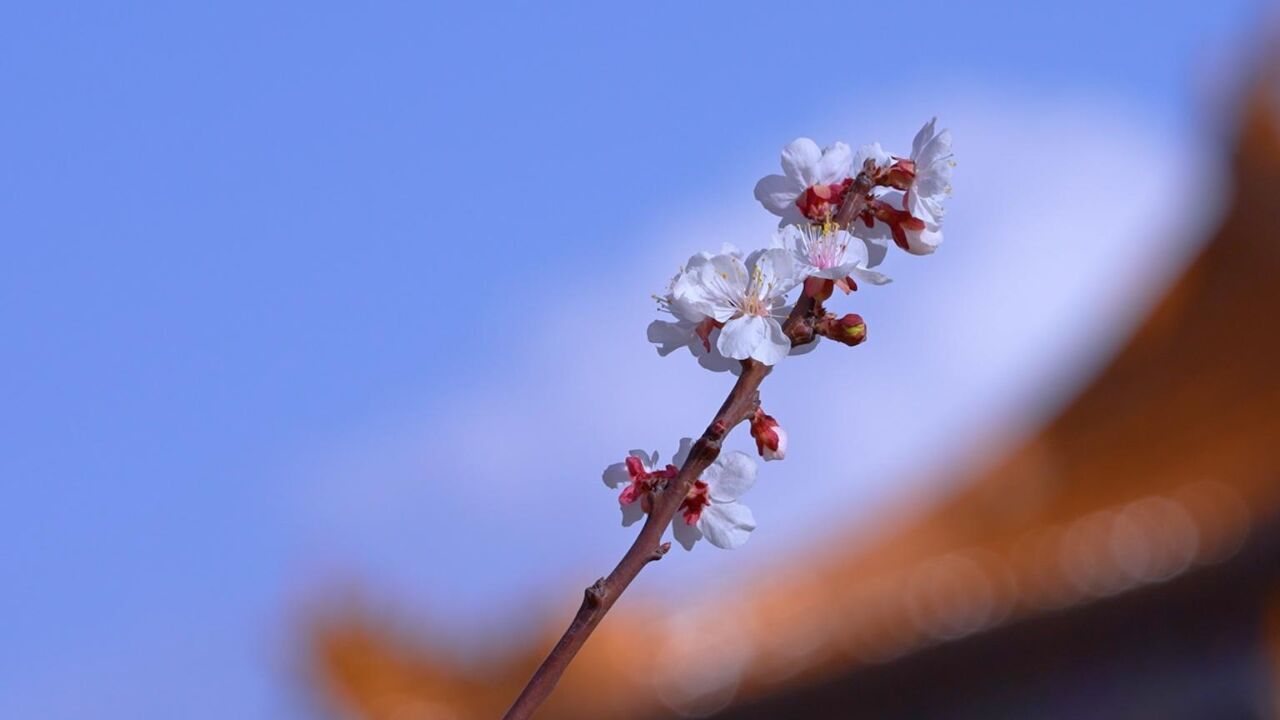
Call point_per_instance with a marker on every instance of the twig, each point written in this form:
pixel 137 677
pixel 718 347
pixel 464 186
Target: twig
pixel 740 405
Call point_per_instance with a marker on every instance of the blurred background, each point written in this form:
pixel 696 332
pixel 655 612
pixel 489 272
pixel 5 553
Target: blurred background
pixel 320 324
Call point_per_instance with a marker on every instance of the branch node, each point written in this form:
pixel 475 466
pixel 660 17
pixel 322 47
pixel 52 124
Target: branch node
pixel 659 551
pixel 594 595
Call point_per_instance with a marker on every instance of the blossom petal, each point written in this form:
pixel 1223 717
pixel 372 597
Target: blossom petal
pixel 730 476
pixel 740 336
pixel 870 276
pixel 787 238
pixel 935 149
pixel 776 345
pixel 856 265
pixel 870 152
pixel 922 137
pixel 800 160
pixel 723 284
pixel 713 359
pixel 727 525
pixel 924 242
pixel 778 194
pixel 686 534
pixel 877 244
pixel 834 164
pixel 778 270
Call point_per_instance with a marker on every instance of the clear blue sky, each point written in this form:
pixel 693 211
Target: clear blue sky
pixel 232 236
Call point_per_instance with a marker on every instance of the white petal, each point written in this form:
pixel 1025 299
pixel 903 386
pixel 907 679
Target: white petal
pixel 713 359
pixel 685 533
pixel 917 208
pixel 870 152
pixel 786 238
pixel 856 253
pixel 800 159
pixel 937 148
pixel 781 452
pixel 730 249
pixel 741 335
pixel 730 476
pixel 870 276
pixel 924 242
pixel 727 525
pixel 778 270
pixel 689 298
pixel 834 165
pixel 857 265
pixel 922 137
pixel 776 345
pixel 877 244
pixel 723 284
pixel 778 193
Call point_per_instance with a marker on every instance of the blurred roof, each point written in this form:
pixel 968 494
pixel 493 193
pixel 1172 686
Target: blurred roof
pixel 1165 463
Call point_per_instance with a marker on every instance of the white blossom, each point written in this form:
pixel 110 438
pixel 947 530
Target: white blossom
pixel 828 252
pixel 670 336
pixel 744 299
pixel 933 160
pixel 711 509
pixel 804 165
pixel 637 476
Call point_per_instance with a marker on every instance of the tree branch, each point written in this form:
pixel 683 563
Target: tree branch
pixel 740 405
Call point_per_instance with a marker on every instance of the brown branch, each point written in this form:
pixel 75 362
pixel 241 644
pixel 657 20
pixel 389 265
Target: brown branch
pixel 740 405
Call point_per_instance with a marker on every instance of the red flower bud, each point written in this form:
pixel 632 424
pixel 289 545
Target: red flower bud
pixel 850 329
pixel 771 439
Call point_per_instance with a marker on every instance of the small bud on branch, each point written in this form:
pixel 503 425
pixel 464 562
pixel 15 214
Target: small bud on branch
pixel 771 439
pixel 849 329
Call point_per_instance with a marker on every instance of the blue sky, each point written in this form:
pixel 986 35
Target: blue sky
pixel 267 272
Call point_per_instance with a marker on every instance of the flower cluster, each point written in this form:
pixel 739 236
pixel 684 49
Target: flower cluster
pixel 710 509
pixel 837 212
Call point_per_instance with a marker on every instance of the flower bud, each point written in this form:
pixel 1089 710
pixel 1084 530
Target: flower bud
pixel 771 439
pixel 850 329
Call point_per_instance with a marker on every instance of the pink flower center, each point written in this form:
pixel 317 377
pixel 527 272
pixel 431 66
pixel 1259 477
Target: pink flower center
pixel 826 249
